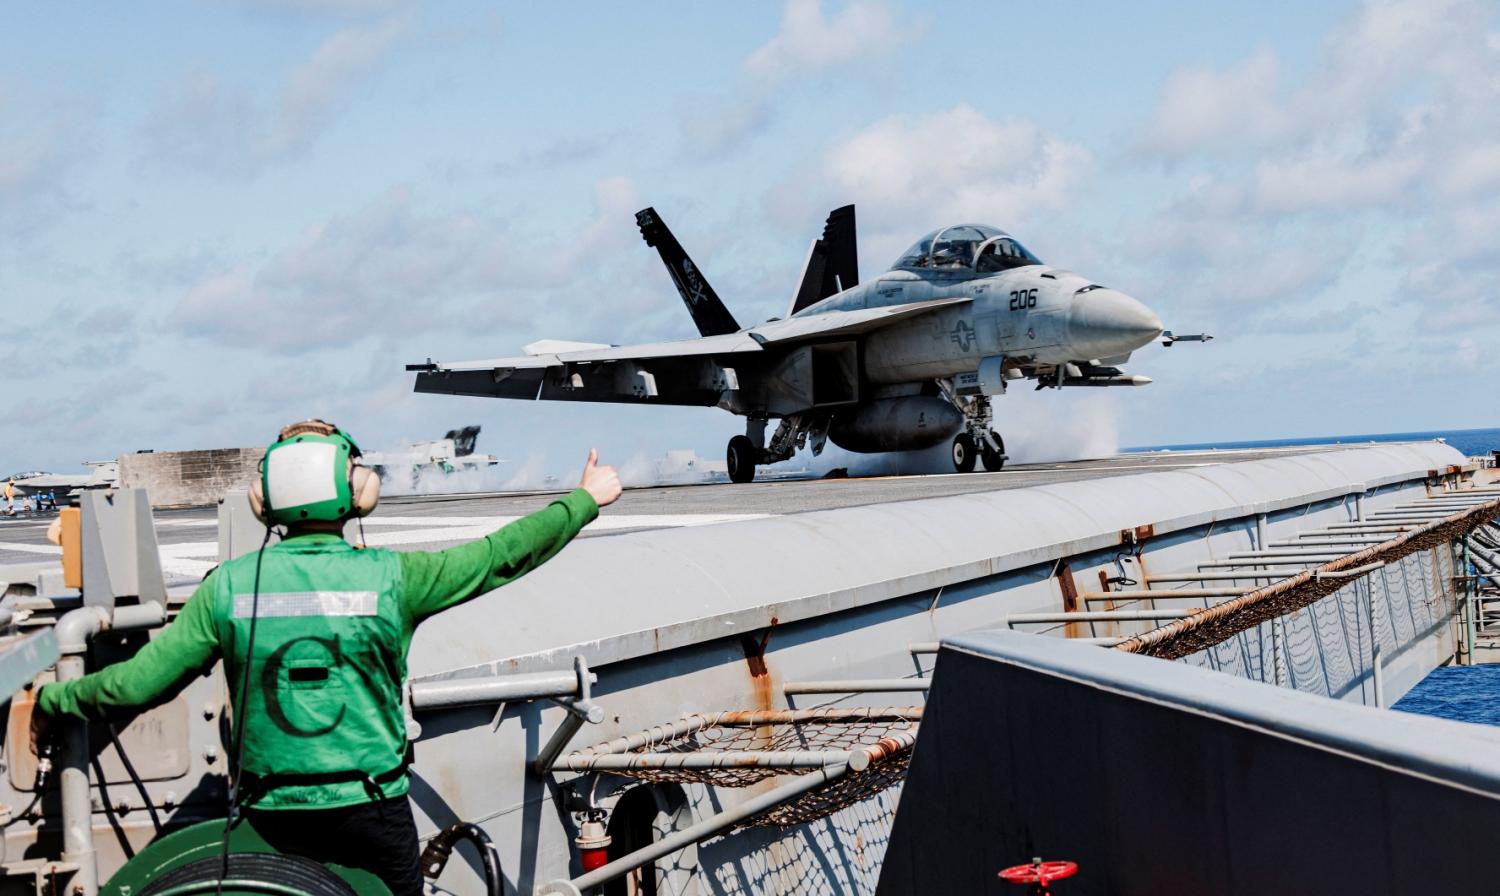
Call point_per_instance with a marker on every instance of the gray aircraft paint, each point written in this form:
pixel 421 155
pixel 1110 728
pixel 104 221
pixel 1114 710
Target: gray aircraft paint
pixel 962 299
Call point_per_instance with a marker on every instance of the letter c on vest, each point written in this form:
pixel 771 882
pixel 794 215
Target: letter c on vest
pixel 270 678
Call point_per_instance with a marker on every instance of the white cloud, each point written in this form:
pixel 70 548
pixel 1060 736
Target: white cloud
pixel 395 270
pixel 1201 106
pixel 387 269
pixel 316 89
pixel 810 39
pixel 1325 180
pixel 1375 166
pixel 616 200
pixel 223 128
pixel 717 125
pixel 910 173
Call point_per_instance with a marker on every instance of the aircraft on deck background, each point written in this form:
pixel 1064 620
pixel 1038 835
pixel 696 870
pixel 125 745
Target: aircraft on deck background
pixel 905 362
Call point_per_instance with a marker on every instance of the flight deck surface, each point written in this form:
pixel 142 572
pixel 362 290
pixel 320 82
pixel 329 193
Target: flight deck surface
pixel 189 547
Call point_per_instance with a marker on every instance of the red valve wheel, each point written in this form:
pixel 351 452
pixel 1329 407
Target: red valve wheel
pixel 1038 872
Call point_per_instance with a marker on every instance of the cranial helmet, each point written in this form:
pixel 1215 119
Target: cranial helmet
pixel 310 473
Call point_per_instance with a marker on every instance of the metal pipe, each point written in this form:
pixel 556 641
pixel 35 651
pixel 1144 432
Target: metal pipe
pixel 1251 562
pixel 1102 642
pixel 686 837
pixel 704 759
pixel 1470 610
pixel 150 614
pixel 1359 506
pixel 546 758
pixel 924 646
pixel 856 686
pixel 1271 573
pixel 1349 573
pixel 1260 530
pixel 1375 650
pixel 74 631
pixel 1325 540
pixel 750 719
pixel 1157 594
pixel 1354 528
pixel 1098 616
pixel 77 627
pixel 1276 553
pixel 428 695
pixel 73 783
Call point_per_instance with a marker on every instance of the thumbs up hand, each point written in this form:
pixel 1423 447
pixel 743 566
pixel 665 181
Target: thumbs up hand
pixel 603 483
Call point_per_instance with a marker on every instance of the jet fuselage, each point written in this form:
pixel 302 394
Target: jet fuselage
pixel 1035 314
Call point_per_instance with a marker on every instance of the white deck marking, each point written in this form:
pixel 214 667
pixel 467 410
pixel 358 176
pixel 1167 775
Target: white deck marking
pixel 52 549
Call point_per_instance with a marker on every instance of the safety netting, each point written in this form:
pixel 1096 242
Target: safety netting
pixel 868 748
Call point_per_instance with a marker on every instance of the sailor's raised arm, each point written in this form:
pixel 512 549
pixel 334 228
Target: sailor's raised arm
pixel 435 580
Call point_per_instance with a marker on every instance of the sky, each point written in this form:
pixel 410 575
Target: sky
pixel 219 218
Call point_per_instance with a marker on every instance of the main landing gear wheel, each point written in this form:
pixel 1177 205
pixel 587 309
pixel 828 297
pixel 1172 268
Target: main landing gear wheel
pixel 964 453
pixel 741 459
pixel 993 460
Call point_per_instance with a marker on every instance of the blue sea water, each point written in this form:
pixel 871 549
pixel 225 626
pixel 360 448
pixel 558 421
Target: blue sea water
pixel 1472 442
pixel 1463 693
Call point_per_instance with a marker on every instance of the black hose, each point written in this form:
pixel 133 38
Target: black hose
pixel 440 847
pixel 140 785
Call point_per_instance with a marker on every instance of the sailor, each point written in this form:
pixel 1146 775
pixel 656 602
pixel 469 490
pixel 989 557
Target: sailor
pixel 10 497
pixel 314 634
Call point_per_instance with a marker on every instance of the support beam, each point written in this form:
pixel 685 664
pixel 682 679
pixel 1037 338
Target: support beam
pixel 1274 574
pixel 857 686
pixel 1097 616
pixel 1158 594
pixel 1284 560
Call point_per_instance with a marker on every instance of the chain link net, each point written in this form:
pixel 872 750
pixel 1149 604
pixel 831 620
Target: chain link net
pixel 841 730
pixel 1223 621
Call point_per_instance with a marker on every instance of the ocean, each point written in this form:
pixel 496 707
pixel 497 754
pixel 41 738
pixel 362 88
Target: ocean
pixel 1462 693
pixel 1472 442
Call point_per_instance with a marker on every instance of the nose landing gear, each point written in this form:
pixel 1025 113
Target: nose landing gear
pixel 964 452
pixel 993 454
pixel 976 441
pixel 967 450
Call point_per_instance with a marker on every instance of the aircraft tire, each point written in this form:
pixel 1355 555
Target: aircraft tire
pixel 740 459
pixel 993 460
pixel 964 453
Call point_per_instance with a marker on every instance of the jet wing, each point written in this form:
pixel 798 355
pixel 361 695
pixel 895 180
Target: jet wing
pixel 693 372
pixel 845 323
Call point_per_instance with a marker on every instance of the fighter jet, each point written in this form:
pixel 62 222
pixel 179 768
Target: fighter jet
pixel 908 361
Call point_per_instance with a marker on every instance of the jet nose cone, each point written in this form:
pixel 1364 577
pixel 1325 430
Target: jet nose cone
pixel 1106 322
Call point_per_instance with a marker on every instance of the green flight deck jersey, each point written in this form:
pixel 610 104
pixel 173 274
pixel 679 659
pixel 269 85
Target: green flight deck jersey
pixel 323 720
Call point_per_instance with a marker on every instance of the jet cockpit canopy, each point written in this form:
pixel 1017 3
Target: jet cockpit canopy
pixel 967 247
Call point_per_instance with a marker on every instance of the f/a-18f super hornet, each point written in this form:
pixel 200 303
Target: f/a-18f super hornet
pixel 905 362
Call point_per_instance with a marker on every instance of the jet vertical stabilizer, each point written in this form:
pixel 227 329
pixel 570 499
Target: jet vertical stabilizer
pixel 708 312
pixel 832 263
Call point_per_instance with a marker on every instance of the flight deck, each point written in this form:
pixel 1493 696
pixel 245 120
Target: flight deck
pixel 189 548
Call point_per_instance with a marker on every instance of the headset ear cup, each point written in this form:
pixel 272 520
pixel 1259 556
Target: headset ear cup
pixel 364 484
pixel 258 500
